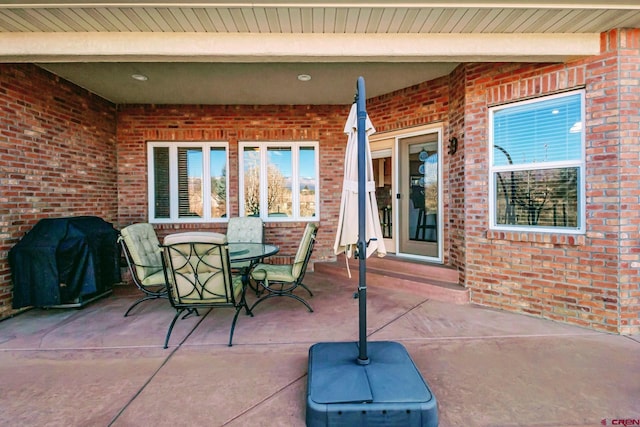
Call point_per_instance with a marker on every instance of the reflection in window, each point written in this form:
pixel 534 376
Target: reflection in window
pixel 279 195
pixel 537 164
pixel 218 175
pixel 280 180
pixel 251 169
pixel 542 197
pixel 307 182
pixel 423 167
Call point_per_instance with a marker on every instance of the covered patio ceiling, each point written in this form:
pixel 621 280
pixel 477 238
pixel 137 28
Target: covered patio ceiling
pixel 252 52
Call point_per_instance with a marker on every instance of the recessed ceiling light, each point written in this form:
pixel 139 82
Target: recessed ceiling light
pixel 304 77
pixel 139 77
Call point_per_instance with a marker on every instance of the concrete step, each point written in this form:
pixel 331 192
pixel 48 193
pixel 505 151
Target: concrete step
pixel 436 282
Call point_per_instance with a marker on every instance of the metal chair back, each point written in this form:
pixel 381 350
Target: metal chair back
pixel 198 275
pixel 141 250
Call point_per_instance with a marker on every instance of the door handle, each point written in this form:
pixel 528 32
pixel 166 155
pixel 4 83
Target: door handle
pixel 398 196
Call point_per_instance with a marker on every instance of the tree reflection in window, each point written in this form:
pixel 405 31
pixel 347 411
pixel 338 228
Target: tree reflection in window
pixel 542 197
pixel 280 180
pixel 252 181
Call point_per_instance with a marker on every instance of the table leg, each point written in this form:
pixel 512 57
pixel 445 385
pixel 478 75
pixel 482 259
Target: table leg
pixel 246 283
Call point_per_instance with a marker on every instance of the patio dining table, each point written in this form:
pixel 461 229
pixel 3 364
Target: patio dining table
pixel 251 252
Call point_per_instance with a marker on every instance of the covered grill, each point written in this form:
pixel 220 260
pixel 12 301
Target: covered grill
pixel 65 261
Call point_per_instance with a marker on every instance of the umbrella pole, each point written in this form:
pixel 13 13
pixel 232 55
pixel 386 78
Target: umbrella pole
pixel 363 358
pixel 387 389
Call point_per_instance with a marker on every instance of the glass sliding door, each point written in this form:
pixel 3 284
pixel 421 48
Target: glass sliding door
pixel 419 195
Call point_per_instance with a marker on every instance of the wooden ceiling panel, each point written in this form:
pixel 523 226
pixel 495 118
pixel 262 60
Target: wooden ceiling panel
pixel 298 19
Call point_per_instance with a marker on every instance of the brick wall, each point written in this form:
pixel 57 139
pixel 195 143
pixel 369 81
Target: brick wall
pixel 139 124
pixel 419 105
pixel 454 165
pixel 58 154
pixel 416 105
pixel 57 157
pixel 436 101
pixel 589 280
pixel 628 44
pixel 576 279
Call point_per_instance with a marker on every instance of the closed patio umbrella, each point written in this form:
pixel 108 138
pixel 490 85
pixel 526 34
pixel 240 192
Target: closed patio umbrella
pixel 359 223
pixel 347 233
pixel 342 389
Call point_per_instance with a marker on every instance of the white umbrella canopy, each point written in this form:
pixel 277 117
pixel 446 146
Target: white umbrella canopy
pixel 347 234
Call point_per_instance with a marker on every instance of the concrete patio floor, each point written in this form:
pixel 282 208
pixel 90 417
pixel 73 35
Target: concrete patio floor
pixel 93 367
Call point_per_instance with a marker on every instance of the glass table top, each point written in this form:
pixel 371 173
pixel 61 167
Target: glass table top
pixel 243 251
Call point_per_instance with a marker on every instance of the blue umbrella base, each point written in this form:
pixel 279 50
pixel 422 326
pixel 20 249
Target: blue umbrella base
pixel 387 391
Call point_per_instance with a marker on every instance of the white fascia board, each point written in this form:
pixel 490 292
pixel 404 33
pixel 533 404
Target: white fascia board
pixel 240 47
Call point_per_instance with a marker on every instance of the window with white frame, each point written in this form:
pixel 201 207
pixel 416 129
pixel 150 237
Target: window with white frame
pixel 279 180
pixel 537 164
pixel 187 181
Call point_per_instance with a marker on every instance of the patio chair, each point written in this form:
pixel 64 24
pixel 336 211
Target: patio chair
pixel 245 229
pixel 141 249
pixel 283 280
pixel 198 274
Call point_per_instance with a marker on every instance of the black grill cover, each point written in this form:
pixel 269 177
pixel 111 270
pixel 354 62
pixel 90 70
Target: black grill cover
pixel 62 260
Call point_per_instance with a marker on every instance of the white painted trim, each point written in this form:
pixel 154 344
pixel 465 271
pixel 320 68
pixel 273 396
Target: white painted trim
pixel 244 47
pixel 295 173
pixel 402 133
pixel 580 164
pixel 433 128
pixel 173 181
